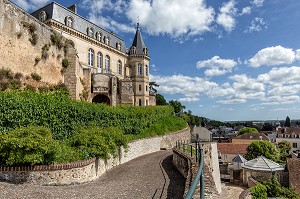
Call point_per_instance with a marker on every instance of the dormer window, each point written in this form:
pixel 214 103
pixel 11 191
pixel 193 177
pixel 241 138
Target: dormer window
pixel 90 32
pixel 118 46
pixel 98 36
pixel 42 16
pixel 145 51
pixel 106 40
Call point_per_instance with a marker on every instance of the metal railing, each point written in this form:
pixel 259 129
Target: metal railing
pixel 199 155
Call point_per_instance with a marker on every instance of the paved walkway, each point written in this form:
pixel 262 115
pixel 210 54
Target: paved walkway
pixel 151 176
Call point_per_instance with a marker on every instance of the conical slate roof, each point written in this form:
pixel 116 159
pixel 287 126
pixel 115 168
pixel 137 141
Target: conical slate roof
pixel 239 159
pixel 138 42
pixel 262 164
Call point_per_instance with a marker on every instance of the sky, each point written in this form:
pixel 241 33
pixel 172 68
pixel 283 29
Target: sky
pixel 224 60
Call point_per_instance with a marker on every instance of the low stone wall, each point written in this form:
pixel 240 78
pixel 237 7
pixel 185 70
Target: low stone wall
pixel 210 168
pixel 84 171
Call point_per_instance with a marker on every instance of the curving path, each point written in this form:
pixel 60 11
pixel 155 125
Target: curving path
pixel 150 176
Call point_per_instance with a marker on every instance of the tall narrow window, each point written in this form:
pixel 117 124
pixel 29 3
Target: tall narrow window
pixel 91 57
pixel 139 69
pixel 146 102
pixel 120 67
pixel 140 87
pixel 146 70
pixel 107 64
pixel 146 88
pixel 140 102
pixel 99 62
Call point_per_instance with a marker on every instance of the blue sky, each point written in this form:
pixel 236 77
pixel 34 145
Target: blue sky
pixel 225 60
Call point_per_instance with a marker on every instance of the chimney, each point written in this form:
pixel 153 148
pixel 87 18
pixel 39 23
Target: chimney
pixel 73 8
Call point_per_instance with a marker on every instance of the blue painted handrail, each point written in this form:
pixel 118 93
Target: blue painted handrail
pixel 199 176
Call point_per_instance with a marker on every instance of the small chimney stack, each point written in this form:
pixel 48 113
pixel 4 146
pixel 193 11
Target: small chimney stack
pixel 73 8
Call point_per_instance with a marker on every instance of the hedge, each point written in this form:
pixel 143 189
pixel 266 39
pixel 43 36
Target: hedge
pixel 63 115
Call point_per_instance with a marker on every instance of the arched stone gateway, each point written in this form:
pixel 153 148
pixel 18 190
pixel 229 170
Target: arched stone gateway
pixel 101 99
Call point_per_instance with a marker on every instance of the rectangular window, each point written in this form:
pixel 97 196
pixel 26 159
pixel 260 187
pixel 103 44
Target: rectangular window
pixel 295 145
pixel 140 87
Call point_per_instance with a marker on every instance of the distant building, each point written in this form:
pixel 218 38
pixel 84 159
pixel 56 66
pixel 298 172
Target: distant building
pixel 292 135
pixel 228 151
pixel 248 138
pixel 203 133
pixel 293 165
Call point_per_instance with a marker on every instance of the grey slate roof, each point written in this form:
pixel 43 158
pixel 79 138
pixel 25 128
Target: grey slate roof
pixel 262 164
pixel 138 42
pixel 59 13
pixel 239 159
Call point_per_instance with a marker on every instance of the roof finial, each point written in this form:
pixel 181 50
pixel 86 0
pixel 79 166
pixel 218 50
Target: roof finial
pixel 138 23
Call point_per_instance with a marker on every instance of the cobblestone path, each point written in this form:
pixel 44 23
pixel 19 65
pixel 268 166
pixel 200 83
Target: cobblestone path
pixel 150 176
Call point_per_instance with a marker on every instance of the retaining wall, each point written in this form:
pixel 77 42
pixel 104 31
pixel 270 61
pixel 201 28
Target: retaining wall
pixel 88 170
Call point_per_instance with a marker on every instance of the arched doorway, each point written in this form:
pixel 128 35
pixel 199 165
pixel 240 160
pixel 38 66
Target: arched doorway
pixel 101 99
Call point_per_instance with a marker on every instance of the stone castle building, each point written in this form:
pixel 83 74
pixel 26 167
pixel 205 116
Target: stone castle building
pixel 112 73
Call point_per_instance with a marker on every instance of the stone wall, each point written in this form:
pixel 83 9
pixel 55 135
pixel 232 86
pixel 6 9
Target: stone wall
pixel 211 170
pixel 294 173
pixel 19 54
pixel 83 171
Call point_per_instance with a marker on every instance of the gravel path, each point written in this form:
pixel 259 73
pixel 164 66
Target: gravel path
pixel 151 176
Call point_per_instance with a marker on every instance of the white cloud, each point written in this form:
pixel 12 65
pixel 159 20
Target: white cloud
pixel 176 18
pixel 189 87
pixel 281 76
pixel 154 67
pixel 217 66
pixel 298 54
pixel 246 10
pixel 257 24
pixel 31 5
pixel 275 100
pixel 285 90
pixel 232 101
pixel 188 99
pixel 273 56
pixel 226 17
pixel 258 3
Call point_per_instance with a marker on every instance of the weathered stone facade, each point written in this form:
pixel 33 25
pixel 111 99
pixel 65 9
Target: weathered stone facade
pixel 294 173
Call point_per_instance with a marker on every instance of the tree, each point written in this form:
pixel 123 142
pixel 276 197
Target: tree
pixel 160 100
pixel 248 130
pixel 259 191
pixel 151 87
pixel 267 127
pixel 264 148
pixel 284 149
pixel 287 122
pixel 178 107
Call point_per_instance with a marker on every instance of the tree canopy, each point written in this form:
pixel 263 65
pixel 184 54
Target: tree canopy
pixel 264 148
pixel 178 107
pixel 160 100
pixel 151 87
pixel 248 130
pixel 287 122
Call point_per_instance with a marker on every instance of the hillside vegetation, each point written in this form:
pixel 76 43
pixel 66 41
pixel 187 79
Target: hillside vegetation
pixel 78 130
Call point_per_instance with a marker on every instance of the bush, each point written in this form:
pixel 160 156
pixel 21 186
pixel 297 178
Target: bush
pixel 65 63
pixel 259 191
pixel 27 146
pixel 30 88
pixel 97 142
pixel 5 73
pixel 36 77
pixel 32 28
pixel 34 39
pixel 56 40
pixel 18 75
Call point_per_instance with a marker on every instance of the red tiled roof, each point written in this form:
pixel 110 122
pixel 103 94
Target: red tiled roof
pixel 232 148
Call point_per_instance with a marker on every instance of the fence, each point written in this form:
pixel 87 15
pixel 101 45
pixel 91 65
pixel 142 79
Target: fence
pixel 195 150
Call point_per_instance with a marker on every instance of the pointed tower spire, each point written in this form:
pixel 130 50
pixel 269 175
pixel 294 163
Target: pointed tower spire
pixel 138 47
